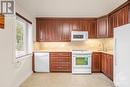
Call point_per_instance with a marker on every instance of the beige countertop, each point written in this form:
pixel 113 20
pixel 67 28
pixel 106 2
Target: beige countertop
pixel 37 51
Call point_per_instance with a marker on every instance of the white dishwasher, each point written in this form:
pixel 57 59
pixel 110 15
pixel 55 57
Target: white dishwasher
pixel 41 62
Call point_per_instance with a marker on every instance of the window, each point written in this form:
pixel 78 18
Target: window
pixel 23 37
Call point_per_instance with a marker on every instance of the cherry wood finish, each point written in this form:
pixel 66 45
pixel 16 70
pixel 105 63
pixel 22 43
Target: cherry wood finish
pixel 96 62
pixel 59 29
pixel 107 65
pixel 110 66
pixel 102 27
pixel 60 62
pixel 1 21
pixel 103 63
pixel 118 18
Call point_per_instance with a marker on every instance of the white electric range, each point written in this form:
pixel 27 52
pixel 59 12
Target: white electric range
pixel 81 62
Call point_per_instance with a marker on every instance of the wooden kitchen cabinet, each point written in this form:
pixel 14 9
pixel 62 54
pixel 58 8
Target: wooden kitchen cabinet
pixel 76 25
pixel 66 31
pixel 103 63
pixel 92 29
pixel 60 62
pixel 102 27
pixel 1 21
pixel 96 62
pixel 118 18
pixel 51 30
pixel 59 29
pixel 107 65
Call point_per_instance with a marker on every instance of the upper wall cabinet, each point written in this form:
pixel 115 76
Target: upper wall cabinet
pixel 91 27
pixel 52 31
pixel 59 30
pixel 102 27
pixel 118 18
pixel 1 21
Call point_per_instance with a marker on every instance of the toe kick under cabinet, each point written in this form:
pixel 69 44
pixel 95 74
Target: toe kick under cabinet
pixel 60 62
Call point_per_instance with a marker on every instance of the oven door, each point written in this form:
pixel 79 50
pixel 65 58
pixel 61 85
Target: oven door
pixel 81 61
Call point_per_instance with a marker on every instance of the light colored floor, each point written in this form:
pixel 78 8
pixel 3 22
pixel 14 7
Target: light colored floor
pixel 67 80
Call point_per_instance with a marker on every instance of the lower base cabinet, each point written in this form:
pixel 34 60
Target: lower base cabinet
pixel 102 62
pixel 60 62
pixel 107 65
pixel 96 62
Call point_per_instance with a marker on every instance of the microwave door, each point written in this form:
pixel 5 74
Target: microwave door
pixel 79 36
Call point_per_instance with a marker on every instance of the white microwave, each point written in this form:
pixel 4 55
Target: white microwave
pixel 79 35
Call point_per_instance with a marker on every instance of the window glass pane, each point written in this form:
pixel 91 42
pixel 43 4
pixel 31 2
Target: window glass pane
pixel 23 37
pixel 20 38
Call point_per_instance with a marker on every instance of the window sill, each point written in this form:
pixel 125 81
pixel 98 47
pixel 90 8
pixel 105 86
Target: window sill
pixel 24 56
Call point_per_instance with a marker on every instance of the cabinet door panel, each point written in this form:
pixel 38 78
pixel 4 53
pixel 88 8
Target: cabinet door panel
pixel 92 30
pixel 107 65
pixel 103 68
pixel 2 22
pixel 66 35
pixel 102 27
pixel 110 66
pixel 96 62
pixel 40 32
pixel 76 25
pixel 90 26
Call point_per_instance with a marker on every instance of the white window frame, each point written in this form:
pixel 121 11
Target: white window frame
pixel 27 38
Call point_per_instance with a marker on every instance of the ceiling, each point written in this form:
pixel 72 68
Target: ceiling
pixel 69 8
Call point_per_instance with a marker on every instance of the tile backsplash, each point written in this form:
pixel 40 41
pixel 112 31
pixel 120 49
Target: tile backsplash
pixel 90 44
pixel 108 44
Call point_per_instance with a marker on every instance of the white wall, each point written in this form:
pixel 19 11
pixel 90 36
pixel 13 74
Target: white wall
pixel 6 52
pixel 12 74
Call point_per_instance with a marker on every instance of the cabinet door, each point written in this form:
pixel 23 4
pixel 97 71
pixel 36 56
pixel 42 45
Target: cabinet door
pixel 40 31
pixel 66 31
pixel 1 21
pixel 109 71
pixel 107 65
pixel 96 62
pixel 103 63
pixel 90 26
pixel 48 31
pixel 76 25
pixel 102 27
pixel 93 30
pixel 57 31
